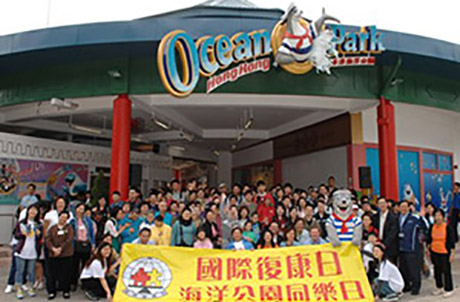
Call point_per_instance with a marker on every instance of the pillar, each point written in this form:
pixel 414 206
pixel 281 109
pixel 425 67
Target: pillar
pixel 121 139
pixel 224 168
pixel 388 160
pixel 277 171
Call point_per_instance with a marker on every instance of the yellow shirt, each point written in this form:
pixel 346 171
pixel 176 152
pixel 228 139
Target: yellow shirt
pixel 161 236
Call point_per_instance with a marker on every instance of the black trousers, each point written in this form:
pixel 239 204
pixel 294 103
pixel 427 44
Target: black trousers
pixel 410 265
pixel 442 270
pixel 59 275
pixel 454 222
pixel 94 286
pixel 78 262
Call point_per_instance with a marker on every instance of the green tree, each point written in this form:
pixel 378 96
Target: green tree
pixel 100 188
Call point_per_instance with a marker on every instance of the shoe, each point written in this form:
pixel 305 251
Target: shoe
pixel 437 292
pixel 90 296
pixel 407 289
pixel 448 294
pixel 66 295
pixel 19 294
pixel 51 296
pixel 391 298
pixel 25 287
pixel 41 285
pixel 31 292
pixel 9 289
pixel 415 293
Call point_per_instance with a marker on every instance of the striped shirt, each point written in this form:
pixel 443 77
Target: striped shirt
pixel 351 225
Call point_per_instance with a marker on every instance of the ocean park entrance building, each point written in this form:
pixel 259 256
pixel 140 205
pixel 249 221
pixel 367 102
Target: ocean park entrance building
pixel 228 92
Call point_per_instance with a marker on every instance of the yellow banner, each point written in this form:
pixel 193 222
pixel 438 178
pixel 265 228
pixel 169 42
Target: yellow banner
pixel 306 273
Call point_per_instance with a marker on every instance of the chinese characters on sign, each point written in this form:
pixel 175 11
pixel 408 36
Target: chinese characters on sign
pixel 316 273
pixel 305 270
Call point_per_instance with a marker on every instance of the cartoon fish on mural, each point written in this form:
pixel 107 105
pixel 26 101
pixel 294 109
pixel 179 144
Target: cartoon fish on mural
pixel 304 41
pixel 409 195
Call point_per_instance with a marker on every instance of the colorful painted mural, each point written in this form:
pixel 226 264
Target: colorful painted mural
pixel 437 176
pixel 51 179
pixel 438 179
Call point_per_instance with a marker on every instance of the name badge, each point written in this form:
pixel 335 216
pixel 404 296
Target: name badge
pixel 61 232
pixel 401 235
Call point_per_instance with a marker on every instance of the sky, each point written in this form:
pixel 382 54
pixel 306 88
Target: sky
pixel 438 19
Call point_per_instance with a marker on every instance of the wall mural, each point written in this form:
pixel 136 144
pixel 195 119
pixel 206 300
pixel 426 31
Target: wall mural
pixel 51 179
pixel 437 176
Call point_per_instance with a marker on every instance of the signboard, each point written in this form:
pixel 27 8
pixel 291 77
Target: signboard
pixel 295 44
pixel 51 179
pixel 308 273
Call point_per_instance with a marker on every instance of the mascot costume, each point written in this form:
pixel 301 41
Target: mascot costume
pixel 342 225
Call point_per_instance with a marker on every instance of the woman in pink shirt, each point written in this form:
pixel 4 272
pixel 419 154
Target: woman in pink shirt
pixel 202 242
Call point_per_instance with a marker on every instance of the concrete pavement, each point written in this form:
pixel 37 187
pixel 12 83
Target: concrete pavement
pixel 425 296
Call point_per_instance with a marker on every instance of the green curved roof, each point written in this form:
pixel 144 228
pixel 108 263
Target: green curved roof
pixel 75 61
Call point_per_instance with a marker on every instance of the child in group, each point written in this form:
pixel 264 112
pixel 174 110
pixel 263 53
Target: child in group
pixel 202 242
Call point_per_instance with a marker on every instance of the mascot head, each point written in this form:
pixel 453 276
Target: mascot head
pixel 342 204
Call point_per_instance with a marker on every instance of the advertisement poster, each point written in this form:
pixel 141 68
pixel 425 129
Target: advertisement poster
pixel 52 179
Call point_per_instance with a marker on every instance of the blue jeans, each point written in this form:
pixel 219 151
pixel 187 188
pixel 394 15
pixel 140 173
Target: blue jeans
pixel 25 266
pixel 385 289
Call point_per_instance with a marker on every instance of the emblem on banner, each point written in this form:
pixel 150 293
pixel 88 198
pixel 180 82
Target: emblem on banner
pixel 146 278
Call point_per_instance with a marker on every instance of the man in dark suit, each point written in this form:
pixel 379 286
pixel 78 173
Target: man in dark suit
pixel 386 222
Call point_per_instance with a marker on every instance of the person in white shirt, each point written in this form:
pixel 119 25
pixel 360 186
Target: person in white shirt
pixel 94 279
pixel 389 284
pixel 52 217
pixel 144 237
pixel 27 249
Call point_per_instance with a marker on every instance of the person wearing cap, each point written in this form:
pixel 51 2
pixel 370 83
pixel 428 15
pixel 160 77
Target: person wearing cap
pixel 389 283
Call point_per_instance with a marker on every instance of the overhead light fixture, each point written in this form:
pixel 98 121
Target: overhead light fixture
pixel 187 137
pixel 249 120
pixel 216 152
pixel 162 124
pixel 248 123
pixel 139 139
pixel 114 73
pixel 178 148
pixel 233 147
pixel 240 136
pixel 63 104
pixel 85 129
pixel 397 81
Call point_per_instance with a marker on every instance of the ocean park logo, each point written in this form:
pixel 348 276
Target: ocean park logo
pixel 295 44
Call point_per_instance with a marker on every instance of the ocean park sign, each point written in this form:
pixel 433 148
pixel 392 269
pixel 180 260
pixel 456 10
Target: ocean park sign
pixel 295 45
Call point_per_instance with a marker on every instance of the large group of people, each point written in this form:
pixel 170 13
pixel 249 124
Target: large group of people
pixel 64 244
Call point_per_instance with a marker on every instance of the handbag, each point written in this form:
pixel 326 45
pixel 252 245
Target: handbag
pixel 83 247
